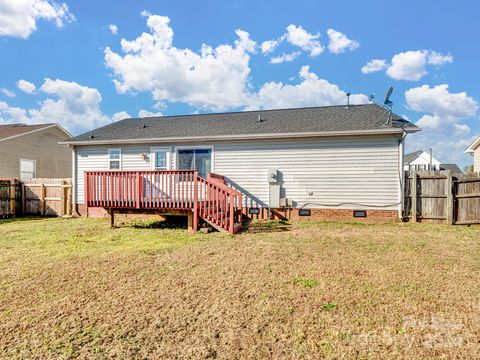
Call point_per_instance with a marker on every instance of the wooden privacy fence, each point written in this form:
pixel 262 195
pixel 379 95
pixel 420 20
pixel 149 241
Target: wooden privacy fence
pixel 45 197
pixel 438 196
pixel 10 197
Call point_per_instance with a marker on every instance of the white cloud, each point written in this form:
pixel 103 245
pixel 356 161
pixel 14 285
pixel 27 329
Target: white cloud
pixel 461 129
pixel 74 106
pixel 214 78
pixel 26 86
pixel 435 58
pixel 411 65
pixel 7 92
pixel 284 58
pixel 408 65
pixel 120 116
pixel 297 36
pixel 442 127
pixel 268 46
pixel 441 103
pixel 19 17
pixel 339 43
pixel 429 122
pixel 374 66
pixel 311 91
pixel 113 29
pixel 145 113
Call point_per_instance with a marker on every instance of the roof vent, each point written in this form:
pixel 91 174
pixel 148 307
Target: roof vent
pixel 260 118
pixel 91 135
pixel 144 126
pixel 348 99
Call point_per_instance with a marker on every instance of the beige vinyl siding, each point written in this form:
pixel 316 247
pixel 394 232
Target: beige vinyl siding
pixel 52 160
pixel 342 172
pixel 476 160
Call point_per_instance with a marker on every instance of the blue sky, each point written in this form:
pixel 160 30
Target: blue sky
pixel 87 63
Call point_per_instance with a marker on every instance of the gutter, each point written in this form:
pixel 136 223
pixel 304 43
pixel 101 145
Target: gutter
pixel 473 146
pixel 241 137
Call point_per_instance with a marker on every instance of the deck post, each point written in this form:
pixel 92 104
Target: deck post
pixel 138 190
pixel 195 201
pixel 112 217
pixel 232 214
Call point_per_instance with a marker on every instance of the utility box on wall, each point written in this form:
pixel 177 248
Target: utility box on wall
pixel 273 188
pixel 274 196
pixel 272 176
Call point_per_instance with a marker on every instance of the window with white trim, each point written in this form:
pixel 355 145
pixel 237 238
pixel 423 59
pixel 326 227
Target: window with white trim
pixel 160 158
pixel 27 169
pixel 199 159
pixel 114 159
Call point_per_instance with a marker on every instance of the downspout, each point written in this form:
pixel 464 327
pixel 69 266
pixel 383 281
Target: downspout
pixel 74 180
pixel 401 174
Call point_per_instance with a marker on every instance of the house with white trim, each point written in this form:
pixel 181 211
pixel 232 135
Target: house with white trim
pixel 474 150
pixel 335 162
pixel 29 151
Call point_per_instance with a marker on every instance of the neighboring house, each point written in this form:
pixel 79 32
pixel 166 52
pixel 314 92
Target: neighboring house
pixel 420 160
pixel 28 151
pixel 456 171
pixel 474 149
pixel 332 160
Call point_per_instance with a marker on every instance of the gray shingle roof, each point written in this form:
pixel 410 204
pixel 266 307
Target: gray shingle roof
pixel 302 120
pixel 408 158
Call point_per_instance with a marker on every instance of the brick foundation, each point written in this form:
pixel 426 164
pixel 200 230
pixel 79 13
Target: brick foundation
pixel 327 214
pixel 286 214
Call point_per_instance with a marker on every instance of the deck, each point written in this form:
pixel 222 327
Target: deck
pixel 182 190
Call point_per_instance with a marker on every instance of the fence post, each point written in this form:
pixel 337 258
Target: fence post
pixel 42 199
pixel 64 197
pixel 413 192
pixel 449 191
pixel 69 200
pixel 13 194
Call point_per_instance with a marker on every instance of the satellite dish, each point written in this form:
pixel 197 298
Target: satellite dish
pixel 387 97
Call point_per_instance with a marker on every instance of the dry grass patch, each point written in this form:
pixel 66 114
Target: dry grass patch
pixel 303 290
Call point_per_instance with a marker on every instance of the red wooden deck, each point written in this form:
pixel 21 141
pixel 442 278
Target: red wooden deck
pixel 209 199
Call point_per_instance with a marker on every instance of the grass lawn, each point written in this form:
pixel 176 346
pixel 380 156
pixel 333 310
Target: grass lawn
pixel 76 288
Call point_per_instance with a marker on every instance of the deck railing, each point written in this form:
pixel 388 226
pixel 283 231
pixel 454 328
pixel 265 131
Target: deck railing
pixel 167 189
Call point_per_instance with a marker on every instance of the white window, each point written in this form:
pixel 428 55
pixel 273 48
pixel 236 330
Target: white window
pixel 160 158
pixel 27 169
pixel 114 159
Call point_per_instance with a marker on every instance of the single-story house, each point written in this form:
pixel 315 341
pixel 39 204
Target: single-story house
pixel 335 162
pixel 29 151
pixel 474 149
pixel 420 160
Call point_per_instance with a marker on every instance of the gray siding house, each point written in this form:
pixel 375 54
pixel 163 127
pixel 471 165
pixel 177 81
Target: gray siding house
pixel 28 151
pixel 331 160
